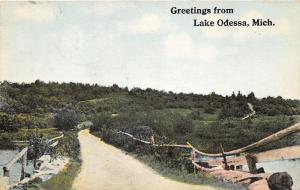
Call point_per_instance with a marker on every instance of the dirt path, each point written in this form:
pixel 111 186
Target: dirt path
pixel 105 167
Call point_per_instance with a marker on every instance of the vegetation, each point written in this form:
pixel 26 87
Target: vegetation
pixel 184 176
pixel 61 181
pixel 65 119
pixel 64 179
pixel 204 120
pixel 68 146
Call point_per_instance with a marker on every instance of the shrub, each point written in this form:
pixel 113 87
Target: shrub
pixel 65 119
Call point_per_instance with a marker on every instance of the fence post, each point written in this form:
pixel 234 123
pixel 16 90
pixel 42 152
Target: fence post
pixel 193 159
pixel 251 162
pixel 224 158
pixel 5 172
pixel 24 162
pixel 152 139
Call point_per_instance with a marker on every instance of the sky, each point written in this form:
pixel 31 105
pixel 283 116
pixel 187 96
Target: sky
pixel 141 44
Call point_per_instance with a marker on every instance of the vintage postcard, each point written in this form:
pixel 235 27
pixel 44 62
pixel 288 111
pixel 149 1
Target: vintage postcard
pixel 149 95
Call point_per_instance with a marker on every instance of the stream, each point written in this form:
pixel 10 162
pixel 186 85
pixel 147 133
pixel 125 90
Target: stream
pixel 292 167
pixel 15 172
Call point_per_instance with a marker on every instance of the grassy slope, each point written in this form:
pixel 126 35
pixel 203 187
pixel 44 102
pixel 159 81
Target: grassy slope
pixel 119 103
pixel 204 135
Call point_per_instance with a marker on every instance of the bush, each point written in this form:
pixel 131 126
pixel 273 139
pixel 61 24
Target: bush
pixel 209 110
pixel 65 119
pixel 195 115
pixel 9 123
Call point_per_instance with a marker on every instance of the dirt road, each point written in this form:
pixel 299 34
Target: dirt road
pixel 105 167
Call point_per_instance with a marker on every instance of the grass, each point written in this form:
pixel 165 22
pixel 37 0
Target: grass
pixel 25 133
pixel 181 111
pixel 68 146
pixel 296 118
pixel 64 179
pixel 108 100
pixel 181 175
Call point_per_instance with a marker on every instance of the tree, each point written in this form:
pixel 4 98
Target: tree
pixel 251 96
pixel 65 119
pixel 9 123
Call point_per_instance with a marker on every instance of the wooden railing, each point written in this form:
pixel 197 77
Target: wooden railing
pixel 226 170
pixel 271 138
pixel 23 155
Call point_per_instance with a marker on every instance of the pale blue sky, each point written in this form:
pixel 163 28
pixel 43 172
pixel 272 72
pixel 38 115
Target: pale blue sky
pixel 140 44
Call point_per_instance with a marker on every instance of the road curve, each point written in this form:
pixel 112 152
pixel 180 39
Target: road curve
pixel 105 167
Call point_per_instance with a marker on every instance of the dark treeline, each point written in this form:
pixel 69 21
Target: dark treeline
pixel 39 97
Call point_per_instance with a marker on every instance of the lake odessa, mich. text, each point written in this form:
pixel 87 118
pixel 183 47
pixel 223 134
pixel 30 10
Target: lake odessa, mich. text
pixel 227 22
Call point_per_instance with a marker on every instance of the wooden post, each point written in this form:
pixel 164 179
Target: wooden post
pixel 5 172
pixel 24 162
pixel 193 155
pixel 239 167
pixel 224 158
pixel 152 139
pixel 251 162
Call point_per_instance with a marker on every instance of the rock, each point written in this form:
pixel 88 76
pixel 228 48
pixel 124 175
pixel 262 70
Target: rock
pixel 280 181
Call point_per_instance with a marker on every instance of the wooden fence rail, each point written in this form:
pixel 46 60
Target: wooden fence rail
pixel 272 138
pixel 56 138
pixel 255 178
pixel 152 143
pixel 23 155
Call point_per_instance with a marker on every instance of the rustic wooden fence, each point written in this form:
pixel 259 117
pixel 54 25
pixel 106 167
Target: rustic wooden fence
pixel 23 155
pixel 230 169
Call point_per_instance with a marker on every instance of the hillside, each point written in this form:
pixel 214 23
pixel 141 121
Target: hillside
pixel 204 120
pixel 43 109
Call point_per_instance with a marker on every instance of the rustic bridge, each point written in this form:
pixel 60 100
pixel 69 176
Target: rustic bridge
pixel 23 156
pixel 230 169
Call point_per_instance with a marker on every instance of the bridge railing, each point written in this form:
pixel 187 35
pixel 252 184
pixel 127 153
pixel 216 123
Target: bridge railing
pixel 23 155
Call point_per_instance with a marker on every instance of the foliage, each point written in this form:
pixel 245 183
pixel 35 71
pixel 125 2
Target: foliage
pixel 9 122
pixel 37 148
pixel 205 120
pixel 65 119
pixel 69 146
pixel 30 109
pixel 40 97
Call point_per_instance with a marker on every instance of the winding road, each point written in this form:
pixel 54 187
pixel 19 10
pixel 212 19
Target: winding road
pixel 105 167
